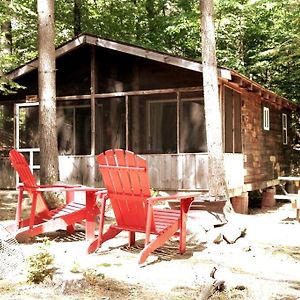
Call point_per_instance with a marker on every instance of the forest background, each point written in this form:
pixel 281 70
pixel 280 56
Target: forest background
pixel 258 38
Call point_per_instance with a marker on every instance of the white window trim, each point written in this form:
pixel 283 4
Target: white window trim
pixel 284 129
pixel 266 118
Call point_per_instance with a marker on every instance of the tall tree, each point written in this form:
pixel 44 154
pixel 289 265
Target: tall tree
pixel 77 17
pixel 47 94
pixel 216 169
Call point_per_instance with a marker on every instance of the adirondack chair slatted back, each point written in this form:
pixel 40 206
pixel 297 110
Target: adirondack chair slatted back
pixel 126 180
pixel 20 164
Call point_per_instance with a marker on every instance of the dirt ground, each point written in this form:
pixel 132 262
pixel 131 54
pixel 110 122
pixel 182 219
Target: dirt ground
pixel 263 264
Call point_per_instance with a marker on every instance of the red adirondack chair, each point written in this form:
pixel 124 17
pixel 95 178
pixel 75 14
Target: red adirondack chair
pixel 126 180
pixel 41 218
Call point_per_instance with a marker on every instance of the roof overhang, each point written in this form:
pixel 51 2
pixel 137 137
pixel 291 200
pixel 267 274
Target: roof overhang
pixel 112 45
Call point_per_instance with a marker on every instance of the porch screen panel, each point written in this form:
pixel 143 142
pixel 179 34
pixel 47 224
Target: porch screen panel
pixel 29 127
pixel 152 123
pixel 110 123
pixel 74 128
pixel 228 121
pixel 237 123
pixel 192 123
pixel 162 127
pixel 233 133
pixel 83 131
pixel 6 128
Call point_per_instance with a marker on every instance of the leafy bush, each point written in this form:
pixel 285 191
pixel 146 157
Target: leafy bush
pixel 93 276
pixel 40 266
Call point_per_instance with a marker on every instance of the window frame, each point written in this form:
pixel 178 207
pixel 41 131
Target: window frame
pixel 266 118
pixel 284 124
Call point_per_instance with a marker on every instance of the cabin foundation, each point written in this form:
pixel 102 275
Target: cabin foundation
pixel 240 203
pixel 268 199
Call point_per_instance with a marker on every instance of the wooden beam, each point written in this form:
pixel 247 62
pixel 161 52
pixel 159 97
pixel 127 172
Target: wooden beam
pixel 32 65
pixel 145 53
pixel 126 123
pixel 178 120
pixel 93 101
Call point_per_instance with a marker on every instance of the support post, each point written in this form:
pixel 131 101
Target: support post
pixel 240 203
pixel 268 199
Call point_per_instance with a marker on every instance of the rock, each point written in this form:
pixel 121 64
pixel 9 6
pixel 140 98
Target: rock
pixel 215 235
pixel 231 232
pixel 196 234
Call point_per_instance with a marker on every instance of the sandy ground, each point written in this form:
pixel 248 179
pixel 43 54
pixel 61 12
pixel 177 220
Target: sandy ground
pixel 264 264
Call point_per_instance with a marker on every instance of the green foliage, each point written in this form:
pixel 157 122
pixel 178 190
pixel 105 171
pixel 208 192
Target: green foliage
pixel 40 266
pixel 261 40
pixel 93 276
pixel 76 268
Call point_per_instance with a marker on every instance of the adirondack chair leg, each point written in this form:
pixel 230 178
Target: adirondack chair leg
pixel 33 207
pixel 70 229
pixel 157 242
pixel 109 234
pixel 69 199
pixel 19 208
pixel 90 215
pixel 131 238
pixel 148 222
pixel 182 233
pixel 184 207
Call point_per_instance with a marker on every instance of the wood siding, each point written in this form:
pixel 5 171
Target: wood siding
pixel 7 174
pixel 265 156
pixel 169 172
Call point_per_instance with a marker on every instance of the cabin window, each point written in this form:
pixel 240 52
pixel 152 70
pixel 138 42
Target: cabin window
pixel 7 128
pixel 233 132
pixel 74 129
pixel 266 118
pixel 284 129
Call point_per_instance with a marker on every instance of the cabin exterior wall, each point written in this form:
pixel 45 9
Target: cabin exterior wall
pixel 264 153
pixel 254 162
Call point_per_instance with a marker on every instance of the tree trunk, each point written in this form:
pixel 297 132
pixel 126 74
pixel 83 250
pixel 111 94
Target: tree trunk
pixel 77 17
pixel 5 34
pixel 216 169
pixel 6 38
pixel 47 95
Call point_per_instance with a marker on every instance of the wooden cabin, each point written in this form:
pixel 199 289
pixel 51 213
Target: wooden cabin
pixel 116 95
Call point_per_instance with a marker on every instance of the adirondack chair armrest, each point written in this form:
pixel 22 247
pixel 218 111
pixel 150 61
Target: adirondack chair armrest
pixel 67 188
pixel 60 186
pixel 102 193
pixel 174 197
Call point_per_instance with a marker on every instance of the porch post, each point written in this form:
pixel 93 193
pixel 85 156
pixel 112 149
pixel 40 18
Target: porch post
pixel 93 103
pixel 93 114
pixel 177 121
pixel 240 203
pixel 268 200
pixel 126 121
